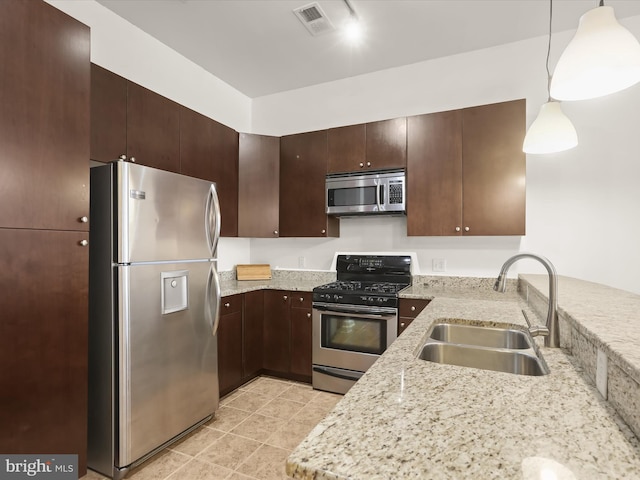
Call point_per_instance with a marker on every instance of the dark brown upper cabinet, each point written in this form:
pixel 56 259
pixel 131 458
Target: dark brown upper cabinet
pixel 346 148
pixel 258 186
pixel 387 144
pixel 372 146
pixel 44 126
pixel 209 150
pixel 130 121
pixel 494 185
pixel 108 115
pixel 434 174
pixel 303 168
pixel 153 129
pixel 466 171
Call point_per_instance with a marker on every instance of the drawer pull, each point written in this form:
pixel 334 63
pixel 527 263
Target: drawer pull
pixel 413 308
pixel 227 305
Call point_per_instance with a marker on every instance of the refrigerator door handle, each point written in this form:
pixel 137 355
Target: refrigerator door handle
pixel 212 301
pixel 212 216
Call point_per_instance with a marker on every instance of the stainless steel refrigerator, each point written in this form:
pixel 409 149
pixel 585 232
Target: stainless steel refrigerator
pixel 154 300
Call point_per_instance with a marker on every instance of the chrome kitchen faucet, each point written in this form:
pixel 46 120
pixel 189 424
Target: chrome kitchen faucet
pixel 553 338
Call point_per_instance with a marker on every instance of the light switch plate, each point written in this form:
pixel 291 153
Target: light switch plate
pixel 601 373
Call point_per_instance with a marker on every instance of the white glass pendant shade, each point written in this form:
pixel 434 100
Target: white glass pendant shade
pixel 602 58
pixel 550 132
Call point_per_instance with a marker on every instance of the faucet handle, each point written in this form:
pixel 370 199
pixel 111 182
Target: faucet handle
pixel 535 330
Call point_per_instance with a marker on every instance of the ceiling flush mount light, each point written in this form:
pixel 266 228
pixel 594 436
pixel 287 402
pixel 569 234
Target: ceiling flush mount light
pixel 353 26
pixel 602 58
pixel 551 131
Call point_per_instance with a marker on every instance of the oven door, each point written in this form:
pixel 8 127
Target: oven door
pixel 351 337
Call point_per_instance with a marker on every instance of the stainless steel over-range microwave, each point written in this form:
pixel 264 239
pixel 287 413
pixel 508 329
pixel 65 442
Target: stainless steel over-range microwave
pixel 382 192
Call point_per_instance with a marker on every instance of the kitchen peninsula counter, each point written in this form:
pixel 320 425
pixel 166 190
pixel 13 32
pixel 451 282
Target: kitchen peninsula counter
pixel 408 418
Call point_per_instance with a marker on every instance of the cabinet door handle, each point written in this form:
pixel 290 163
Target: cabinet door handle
pixel 413 308
pixel 83 219
pixel 308 315
pixel 123 157
pixel 361 164
pixel 466 229
pixel 284 297
pixel 302 299
pixel 323 231
pixel 368 164
pixel 401 324
pixel 275 232
pixel 227 305
pixel 457 229
pixel 83 243
pixel 132 159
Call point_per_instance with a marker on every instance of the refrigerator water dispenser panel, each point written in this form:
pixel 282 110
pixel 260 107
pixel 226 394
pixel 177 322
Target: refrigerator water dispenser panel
pixel 175 291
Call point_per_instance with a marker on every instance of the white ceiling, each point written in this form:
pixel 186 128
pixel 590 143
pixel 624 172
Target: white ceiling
pixel 260 47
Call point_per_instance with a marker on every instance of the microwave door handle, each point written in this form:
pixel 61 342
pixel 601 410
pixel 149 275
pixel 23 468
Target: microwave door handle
pixel 379 196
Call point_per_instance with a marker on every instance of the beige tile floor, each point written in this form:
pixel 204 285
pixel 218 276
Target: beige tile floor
pixel 251 435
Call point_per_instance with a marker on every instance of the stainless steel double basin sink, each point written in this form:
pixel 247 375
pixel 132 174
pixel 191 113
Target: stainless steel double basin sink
pixel 488 348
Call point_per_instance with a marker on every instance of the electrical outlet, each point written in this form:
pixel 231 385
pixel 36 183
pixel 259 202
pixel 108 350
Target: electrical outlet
pixel 301 262
pixel 439 265
pixel 601 373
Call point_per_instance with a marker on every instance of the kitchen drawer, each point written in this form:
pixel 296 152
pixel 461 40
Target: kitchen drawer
pixel 231 304
pixel 411 307
pixel 301 299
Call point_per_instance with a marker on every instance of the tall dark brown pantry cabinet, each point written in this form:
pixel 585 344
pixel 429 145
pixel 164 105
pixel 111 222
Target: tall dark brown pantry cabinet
pixel 44 205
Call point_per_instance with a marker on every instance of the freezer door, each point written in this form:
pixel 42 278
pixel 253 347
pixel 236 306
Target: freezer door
pixel 164 216
pixel 167 372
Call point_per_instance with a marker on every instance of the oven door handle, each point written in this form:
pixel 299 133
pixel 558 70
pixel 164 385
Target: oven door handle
pixel 332 372
pixel 355 310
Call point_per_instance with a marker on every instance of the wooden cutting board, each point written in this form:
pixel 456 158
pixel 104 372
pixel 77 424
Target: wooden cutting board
pixel 253 272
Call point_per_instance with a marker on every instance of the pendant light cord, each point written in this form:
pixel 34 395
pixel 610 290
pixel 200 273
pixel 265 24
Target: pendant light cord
pixel 549 51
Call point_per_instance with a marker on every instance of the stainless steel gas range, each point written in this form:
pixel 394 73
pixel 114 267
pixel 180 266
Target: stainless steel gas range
pixel 355 318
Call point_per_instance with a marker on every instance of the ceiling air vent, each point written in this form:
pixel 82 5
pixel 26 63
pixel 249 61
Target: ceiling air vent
pixel 314 19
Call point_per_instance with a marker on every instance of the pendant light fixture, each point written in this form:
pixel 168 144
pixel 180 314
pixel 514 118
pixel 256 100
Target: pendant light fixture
pixel 602 58
pixel 551 131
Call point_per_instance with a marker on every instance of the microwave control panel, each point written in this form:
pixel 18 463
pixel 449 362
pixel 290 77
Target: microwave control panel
pixel 395 192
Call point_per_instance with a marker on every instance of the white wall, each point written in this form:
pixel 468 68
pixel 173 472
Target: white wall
pixel 122 48
pixel 582 205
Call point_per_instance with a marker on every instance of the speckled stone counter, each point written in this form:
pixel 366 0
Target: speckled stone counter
pixel 412 419
pixel 302 280
pixel 596 318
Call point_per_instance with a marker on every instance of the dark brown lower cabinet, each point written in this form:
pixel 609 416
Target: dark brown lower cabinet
pixel 230 344
pixel 409 309
pixel 276 352
pixel 264 331
pixel 253 337
pixel 301 334
pixel 43 343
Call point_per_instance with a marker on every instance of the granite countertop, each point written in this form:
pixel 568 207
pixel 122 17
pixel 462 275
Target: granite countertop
pixel 408 418
pixel 302 281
